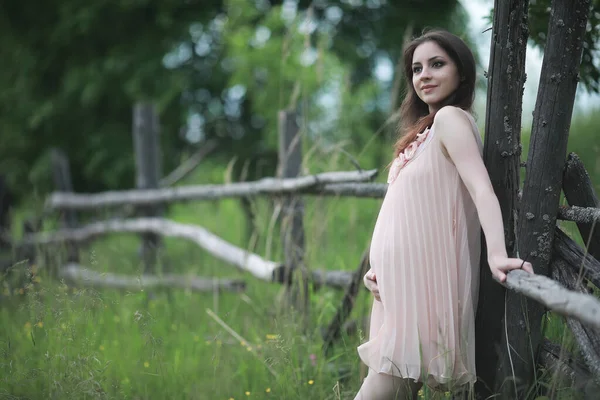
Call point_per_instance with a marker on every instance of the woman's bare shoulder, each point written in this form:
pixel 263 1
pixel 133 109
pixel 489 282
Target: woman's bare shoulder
pixel 451 114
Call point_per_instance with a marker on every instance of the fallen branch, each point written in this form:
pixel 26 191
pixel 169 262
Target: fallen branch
pixel 581 306
pixel 368 190
pixel 581 215
pixel 266 270
pixel 241 340
pixel 84 276
pixel 218 247
pixel 334 279
pixel 566 249
pixel 579 191
pixel 587 338
pixel 188 165
pixel 561 362
pixel 335 326
pixel 63 200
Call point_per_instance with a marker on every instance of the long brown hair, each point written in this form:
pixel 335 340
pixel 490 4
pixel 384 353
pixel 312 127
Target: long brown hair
pixel 414 113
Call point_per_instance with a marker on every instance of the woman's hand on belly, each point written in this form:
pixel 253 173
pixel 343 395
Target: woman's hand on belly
pixel 370 281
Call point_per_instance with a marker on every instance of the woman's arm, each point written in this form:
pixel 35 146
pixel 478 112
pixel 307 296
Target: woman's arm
pixel 455 132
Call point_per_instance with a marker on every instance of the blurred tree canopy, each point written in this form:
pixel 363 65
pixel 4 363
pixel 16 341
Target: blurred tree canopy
pixel 71 72
pixel 217 69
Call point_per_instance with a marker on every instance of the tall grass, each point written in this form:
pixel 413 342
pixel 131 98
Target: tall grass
pixel 58 341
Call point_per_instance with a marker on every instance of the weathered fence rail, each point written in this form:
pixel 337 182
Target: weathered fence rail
pixel 252 263
pixel 79 275
pixel 581 306
pixel 333 183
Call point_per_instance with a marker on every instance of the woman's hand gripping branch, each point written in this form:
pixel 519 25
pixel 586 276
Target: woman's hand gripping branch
pixel 501 265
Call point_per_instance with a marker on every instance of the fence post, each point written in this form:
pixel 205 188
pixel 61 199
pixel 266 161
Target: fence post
pixel 62 180
pixel 502 156
pixel 522 335
pixel 292 229
pixel 147 166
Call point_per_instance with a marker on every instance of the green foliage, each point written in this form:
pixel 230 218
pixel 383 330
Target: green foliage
pixel 72 71
pixel 539 14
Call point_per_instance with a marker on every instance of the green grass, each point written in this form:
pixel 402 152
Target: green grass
pixel 64 342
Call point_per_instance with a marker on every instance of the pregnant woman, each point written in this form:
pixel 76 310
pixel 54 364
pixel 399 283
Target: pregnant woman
pixel 426 245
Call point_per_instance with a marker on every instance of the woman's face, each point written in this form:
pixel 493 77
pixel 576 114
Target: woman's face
pixel 435 75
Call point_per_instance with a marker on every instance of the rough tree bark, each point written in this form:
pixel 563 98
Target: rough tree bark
pixel 502 151
pixel 538 209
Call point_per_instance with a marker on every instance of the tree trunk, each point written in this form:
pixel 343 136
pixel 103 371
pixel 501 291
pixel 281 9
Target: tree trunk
pixel 502 151
pixel 541 191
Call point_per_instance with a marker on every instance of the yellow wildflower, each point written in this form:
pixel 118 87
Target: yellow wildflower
pixel 268 390
pixel 146 364
pixel 311 382
pixel 271 336
pixel 40 324
pixel 247 393
pixel 249 348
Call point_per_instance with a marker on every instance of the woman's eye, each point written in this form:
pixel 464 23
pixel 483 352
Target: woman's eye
pixel 416 70
pixel 438 64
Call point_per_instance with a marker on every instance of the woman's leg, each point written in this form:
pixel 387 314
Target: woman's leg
pixel 387 387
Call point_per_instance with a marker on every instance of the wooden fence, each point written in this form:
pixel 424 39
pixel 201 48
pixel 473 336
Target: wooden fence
pixel 565 294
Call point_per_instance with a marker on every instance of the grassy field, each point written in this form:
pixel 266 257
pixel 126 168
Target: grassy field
pixel 63 342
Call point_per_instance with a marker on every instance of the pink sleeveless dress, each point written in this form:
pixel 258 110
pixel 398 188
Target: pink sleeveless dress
pixel 425 253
